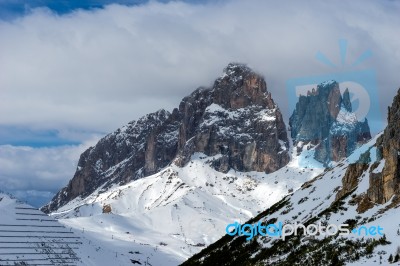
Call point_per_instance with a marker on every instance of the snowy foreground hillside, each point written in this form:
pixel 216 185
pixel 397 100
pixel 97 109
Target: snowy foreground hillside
pixel 319 201
pixel 30 237
pixel 165 218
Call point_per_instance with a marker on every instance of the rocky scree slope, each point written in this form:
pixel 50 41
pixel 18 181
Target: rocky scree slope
pixel 235 118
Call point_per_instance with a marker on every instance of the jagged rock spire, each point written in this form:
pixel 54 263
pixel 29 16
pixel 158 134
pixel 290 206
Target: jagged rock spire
pixel 325 119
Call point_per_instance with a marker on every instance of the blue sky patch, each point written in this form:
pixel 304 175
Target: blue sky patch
pixel 23 136
pixel 10 9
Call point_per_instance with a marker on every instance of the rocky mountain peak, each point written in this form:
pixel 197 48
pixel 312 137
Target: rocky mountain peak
pixel 324 119
pixel 240 86
pixel 346 101
pixel 235 121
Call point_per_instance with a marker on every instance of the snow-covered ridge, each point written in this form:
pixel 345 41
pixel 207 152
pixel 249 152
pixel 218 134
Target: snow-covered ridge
pixel 346 117
pixel 345 122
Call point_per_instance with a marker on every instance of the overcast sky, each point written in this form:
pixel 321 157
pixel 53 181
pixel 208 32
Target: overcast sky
pixel 69 76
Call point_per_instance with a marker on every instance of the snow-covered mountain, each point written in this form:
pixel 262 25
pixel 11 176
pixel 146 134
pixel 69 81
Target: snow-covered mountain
pixel 173 180
pixel 236 122
pixel 164 187
pixel 361 191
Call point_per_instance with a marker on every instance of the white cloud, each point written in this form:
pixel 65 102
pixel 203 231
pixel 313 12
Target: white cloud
pixel 97 70
pixel 40 169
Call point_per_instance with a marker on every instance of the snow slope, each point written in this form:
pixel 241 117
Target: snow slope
pixel 165 218
pixel 31 237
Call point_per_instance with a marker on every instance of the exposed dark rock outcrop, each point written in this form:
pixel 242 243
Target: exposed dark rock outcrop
pixel 351 178
pixel 236 120
pixel 107 208
pixel 385 184
pixel 325 119
pixel 384 173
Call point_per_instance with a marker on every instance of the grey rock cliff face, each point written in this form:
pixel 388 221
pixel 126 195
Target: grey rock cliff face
pixel 386 184
pixel 384 173
pixel 241 123
pixel 236 121
pixel 325 119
